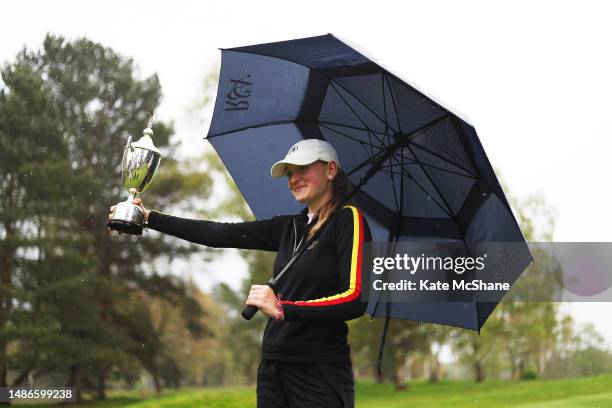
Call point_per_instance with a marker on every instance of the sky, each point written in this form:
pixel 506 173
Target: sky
pixel 533 77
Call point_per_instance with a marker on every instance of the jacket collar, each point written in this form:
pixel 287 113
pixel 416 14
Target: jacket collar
pixel 304 215
pixel 300 222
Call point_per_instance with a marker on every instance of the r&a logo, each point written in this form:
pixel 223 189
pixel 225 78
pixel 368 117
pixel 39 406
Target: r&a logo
pixel 238 96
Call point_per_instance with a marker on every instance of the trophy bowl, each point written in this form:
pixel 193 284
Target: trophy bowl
pixel 138 167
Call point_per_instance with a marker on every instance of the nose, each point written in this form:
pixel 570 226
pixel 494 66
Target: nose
pixel 291 179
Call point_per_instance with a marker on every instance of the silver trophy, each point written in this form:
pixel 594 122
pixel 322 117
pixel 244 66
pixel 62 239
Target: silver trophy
pixel 139 164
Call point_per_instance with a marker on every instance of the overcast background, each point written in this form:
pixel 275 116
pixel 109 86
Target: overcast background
pixel 533 77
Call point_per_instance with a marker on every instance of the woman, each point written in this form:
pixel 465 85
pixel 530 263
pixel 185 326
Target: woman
pixel 305 355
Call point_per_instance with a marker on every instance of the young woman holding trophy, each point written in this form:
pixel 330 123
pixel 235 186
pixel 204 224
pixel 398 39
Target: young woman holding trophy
pixel 305 355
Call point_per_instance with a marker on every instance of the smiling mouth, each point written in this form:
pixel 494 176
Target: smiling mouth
pixel 298 188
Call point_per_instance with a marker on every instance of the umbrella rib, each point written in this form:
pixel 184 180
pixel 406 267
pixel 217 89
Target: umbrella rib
pixel 442 207
pixel 434 186
pixel 443 158
pixel 441 169
pixel 401 205
pixel 370 133
pixel 387 127
pixel 363 144
pixel 399 126
pixel 395 195
pixel 397 204
pixel 390 172
pixel 279 122
pixel 289 121
pixel 332 81
pixel 446 170
pixel 409 162
pixel 325 122
pixel 349 137
pixel 395 145
pixel 333 85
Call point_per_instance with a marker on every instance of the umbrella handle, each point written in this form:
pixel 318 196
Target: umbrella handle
pixel 249 311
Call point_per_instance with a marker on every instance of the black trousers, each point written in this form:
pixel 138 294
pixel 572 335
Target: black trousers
pixel 288 385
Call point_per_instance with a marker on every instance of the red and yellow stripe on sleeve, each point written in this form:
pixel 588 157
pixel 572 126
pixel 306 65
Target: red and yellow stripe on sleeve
pixel 354 289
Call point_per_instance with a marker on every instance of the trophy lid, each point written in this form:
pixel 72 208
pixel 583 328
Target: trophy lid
pixel 145 142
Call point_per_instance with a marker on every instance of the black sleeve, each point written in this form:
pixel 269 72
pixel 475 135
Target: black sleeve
pixel 351 233
pixel 264 234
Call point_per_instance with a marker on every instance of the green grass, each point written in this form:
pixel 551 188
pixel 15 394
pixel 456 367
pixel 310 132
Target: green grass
pixel 591 392
pixel 568 393
pixel 588 401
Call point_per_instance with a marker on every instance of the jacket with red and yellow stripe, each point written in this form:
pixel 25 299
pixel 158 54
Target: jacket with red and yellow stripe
pixel 319 292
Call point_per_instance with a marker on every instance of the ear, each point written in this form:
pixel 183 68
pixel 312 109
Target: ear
pixel 332 170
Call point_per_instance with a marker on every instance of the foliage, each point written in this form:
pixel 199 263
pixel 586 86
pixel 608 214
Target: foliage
pixel 72 294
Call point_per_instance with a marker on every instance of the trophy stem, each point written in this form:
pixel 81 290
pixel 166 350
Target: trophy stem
pixel 133 193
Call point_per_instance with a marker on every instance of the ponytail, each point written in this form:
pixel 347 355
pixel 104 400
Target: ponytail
pixel 341 188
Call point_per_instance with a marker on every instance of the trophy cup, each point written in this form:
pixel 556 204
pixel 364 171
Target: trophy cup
pixel 139 164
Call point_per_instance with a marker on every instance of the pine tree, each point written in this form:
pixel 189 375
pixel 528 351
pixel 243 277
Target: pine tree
pixel 70 290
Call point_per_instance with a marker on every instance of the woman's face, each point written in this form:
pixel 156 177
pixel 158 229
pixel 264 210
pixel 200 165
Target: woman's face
pixel 311 184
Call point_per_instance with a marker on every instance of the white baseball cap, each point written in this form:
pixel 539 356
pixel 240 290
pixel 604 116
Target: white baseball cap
pixel 306 152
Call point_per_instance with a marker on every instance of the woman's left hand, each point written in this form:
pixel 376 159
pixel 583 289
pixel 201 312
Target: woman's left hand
pixel 262 296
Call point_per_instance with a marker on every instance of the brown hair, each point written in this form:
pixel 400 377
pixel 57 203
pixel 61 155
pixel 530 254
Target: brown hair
pixel 341 189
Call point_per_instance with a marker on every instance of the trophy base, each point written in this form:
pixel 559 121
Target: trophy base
pixel 128 218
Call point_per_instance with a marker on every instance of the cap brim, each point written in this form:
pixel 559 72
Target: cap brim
pixel 278 168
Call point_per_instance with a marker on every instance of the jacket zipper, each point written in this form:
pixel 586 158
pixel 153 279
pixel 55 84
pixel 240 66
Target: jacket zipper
pixel 296 244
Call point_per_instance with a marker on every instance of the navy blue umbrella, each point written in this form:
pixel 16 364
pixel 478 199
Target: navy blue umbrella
pixel 420 171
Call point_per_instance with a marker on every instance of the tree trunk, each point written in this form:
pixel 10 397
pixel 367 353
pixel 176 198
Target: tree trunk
pixel 105 305
pixel 101 385
pixel 400 373
pixel 75 381
pixel 479 375
pixel 3 371
pixel 156 383
pixel 22 377
pixel 6 265
pixel 434 369
pixel 521 369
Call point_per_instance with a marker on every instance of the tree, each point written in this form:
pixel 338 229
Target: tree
pixel 31 156
pixel 66 112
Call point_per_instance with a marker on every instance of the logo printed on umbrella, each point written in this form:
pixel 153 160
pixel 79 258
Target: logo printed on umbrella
pixel 238 96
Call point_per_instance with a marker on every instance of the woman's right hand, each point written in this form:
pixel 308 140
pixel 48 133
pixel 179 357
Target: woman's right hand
pixel 139 203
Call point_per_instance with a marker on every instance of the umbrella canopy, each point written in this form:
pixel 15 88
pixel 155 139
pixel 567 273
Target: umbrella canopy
pixel 420 170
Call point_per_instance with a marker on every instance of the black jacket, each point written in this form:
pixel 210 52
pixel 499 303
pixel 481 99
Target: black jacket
pixel 319 291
